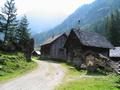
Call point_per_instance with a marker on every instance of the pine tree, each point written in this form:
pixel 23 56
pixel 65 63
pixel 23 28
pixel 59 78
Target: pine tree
pixel 1 23
pixel 114 28
pixel 9 21
pixel 22 33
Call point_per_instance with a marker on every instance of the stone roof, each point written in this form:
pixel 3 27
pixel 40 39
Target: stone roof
pixel 92 39
pixel 37 52
pixel 51 39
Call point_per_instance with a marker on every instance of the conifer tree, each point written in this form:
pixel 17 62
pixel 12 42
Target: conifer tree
pixel 23 34
pixel 114 28
pixel 8 20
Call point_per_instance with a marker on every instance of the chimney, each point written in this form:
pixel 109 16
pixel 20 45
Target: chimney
pixel 53 36
pixel 78 25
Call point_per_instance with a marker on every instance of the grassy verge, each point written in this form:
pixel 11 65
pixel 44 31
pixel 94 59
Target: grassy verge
pixel 14 65
pixel 80 80
pixel 72 72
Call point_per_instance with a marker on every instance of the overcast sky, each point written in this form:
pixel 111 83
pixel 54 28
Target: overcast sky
pixel 46 14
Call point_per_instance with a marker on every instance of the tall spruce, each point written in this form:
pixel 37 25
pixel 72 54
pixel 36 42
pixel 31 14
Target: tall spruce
pixel 114 28
pixel 8 20
pixel 23 31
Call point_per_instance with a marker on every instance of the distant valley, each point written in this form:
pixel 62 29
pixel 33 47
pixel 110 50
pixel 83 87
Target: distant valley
pixel 89 15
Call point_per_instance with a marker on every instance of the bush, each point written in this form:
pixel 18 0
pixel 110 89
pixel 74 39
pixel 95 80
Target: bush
pixel 2 60
pixel 11 63
pixel 2 73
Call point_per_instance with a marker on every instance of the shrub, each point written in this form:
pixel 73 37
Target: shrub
pixel 11 63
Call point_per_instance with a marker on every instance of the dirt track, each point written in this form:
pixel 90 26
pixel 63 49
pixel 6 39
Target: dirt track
pixel 45 77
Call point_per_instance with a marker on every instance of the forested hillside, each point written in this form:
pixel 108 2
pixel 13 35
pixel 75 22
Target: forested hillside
pixel 90 16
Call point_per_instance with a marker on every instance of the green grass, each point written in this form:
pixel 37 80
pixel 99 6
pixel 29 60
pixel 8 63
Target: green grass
pixel 71 72
pixel 80 80
pixel 35 57
pixel 14 65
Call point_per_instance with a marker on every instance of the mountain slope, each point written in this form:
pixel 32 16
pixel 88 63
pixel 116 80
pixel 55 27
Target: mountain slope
pixel 88 15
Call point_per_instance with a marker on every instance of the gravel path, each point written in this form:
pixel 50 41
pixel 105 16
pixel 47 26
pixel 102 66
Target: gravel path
pixel 45 77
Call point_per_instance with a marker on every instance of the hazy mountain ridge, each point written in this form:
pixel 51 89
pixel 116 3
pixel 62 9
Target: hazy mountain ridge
pixel 88 15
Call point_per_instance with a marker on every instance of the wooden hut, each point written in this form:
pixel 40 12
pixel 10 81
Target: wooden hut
pixel 82 47
pixel 36 53
pixel 53 47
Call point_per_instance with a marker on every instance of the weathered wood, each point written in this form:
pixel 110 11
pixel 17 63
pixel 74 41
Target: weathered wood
pixel 108 64
pixel 55 48
pixel 80 54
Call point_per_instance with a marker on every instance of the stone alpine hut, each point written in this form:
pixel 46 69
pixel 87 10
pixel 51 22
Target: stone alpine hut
pixel 82 47
pixel 53 47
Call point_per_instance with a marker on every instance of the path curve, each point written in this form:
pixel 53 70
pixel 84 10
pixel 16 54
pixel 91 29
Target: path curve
pixel 45 77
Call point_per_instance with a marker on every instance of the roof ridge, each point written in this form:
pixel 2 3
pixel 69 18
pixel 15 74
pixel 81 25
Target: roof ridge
pixel 94 39
pixel 51 39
